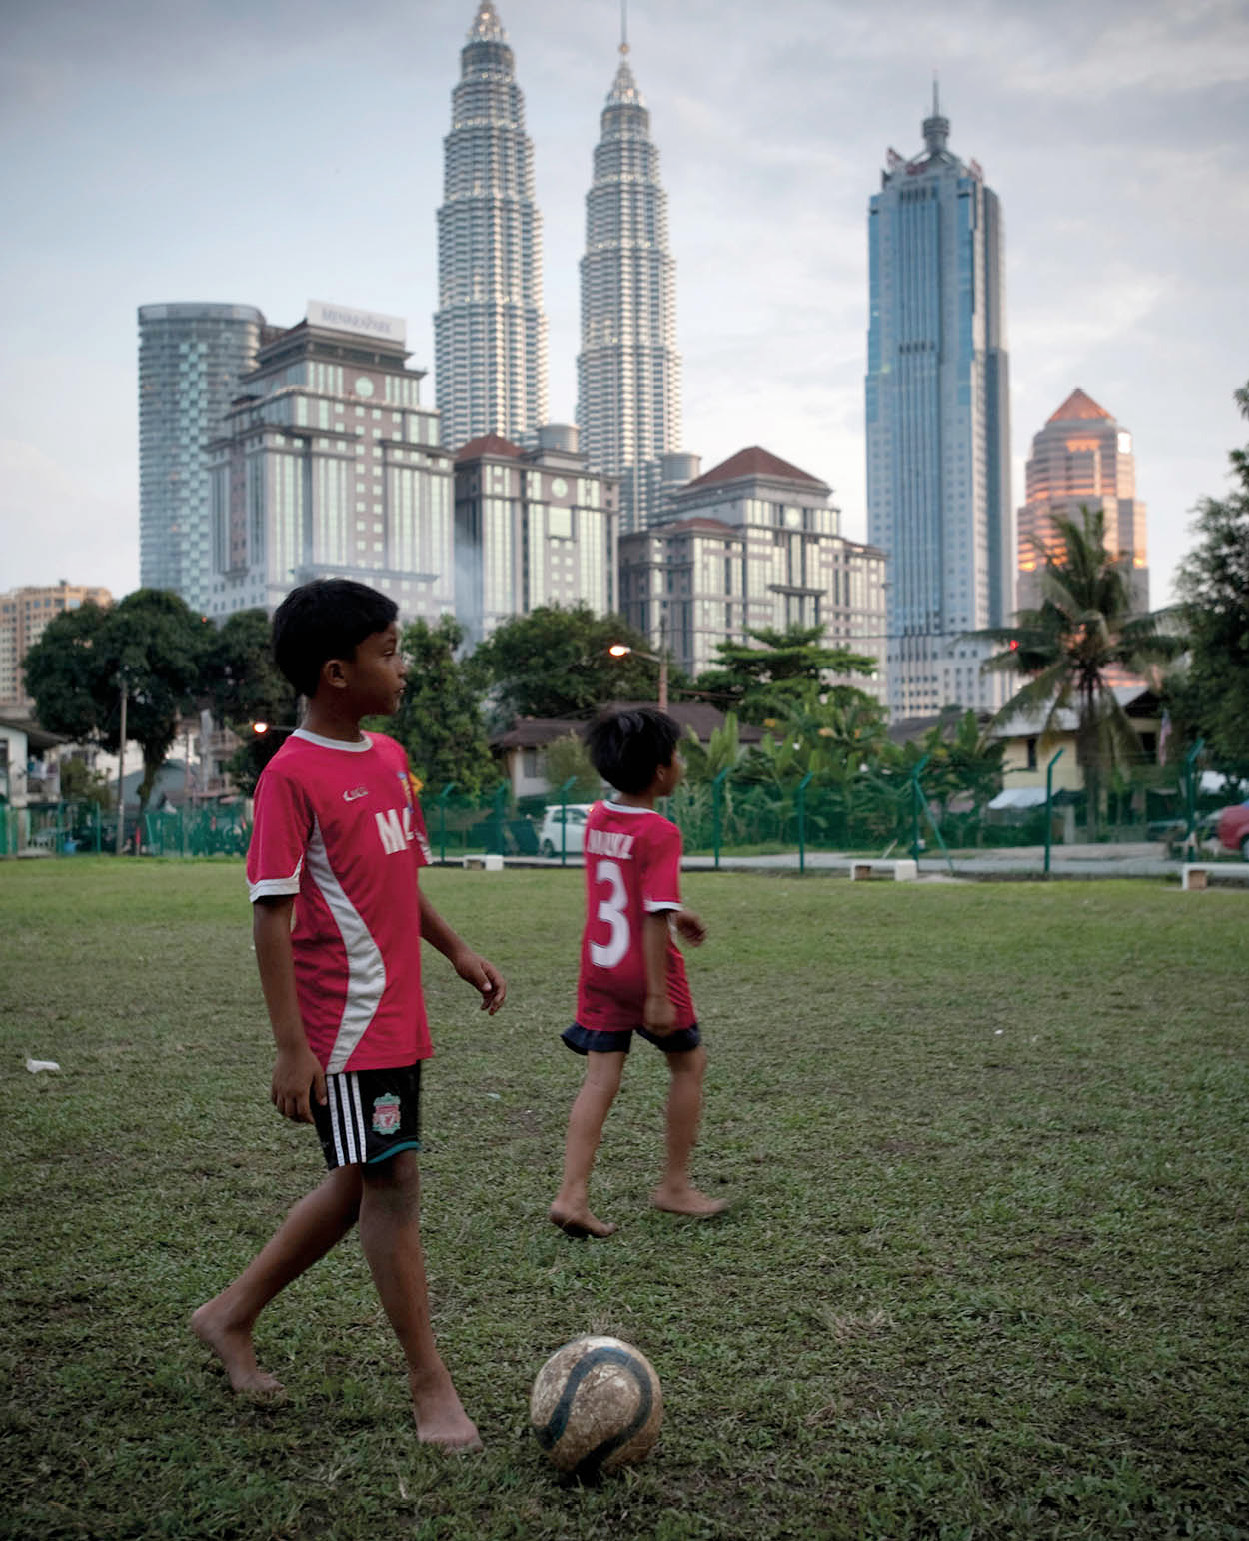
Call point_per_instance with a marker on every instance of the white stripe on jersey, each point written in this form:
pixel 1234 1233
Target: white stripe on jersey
pixel 366 968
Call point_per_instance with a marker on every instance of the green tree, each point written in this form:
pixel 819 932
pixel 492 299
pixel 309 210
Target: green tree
pixel 1067 649
pixel 1214 589
pixel 243 685
pixel 439 721
pixel 568 756
pixel 149 644
pixel 554 662
pixel 81 784
pixel 776 673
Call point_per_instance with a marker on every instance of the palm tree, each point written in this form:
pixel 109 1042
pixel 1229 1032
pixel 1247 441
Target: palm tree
pixel 1067 649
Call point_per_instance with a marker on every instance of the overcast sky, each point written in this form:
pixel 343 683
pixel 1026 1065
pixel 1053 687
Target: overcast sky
pixel 271 151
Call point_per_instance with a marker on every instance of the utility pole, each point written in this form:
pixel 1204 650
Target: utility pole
pixel 121 771
pixel 663 658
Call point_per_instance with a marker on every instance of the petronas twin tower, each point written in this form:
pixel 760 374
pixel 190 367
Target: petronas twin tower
pixel 490 330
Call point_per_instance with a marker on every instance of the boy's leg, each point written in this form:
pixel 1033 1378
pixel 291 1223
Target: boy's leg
pixel 571 1208
pixel 390 1234
pixel 685 1102
pixel 319 1220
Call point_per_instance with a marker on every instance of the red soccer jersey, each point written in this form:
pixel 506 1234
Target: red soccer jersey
pixel 338 826
pixel 632 869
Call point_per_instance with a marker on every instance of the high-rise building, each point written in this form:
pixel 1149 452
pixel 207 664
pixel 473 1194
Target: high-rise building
pixel 938 429
pixel 628 371
pixel 190 358
pixel 329 466
pixel 532 527
pixel 490 330
pixel 1082 458
pixel 753 543
pixel 23 615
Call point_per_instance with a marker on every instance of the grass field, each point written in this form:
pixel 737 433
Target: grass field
pixel 984 1275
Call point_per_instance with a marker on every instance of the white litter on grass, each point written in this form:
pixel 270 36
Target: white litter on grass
pixel 495 1096
pixel 36 1065
pixel 998 1031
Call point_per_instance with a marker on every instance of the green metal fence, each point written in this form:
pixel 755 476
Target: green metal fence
pixel 902 812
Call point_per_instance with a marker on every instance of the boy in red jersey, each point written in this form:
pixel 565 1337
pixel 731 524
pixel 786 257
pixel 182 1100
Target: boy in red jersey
pixel 632 976
pixel 339 839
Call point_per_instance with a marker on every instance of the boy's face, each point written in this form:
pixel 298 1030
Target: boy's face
pixel 668 777
pixel 374 677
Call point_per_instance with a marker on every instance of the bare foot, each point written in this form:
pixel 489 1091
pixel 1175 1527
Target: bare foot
pixel 687 1201
pixel 440 1416
pixel 580 1223
pixel 233 1346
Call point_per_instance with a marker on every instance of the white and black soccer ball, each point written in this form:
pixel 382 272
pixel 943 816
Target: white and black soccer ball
pixel 596 1406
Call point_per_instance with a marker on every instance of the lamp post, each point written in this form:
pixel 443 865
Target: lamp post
pixel 622 650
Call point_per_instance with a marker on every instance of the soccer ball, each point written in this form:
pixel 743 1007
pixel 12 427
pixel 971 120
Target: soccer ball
pixel 596 1406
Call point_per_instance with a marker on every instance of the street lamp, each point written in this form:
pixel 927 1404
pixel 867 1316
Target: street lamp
pixel 622 650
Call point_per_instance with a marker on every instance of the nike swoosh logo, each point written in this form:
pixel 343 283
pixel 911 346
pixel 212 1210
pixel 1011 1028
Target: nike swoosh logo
pixel 350 797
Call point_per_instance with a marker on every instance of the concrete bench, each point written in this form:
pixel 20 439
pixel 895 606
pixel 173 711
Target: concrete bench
pixel 489 863
pixel 1196 875
pixel 902 869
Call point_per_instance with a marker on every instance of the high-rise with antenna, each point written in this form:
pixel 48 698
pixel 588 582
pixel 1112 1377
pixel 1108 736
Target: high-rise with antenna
pixel 628 371
pixel 490 329
pixel 938 423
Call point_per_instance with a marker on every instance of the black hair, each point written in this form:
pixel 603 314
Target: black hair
pixel 326 619
pixel 627 747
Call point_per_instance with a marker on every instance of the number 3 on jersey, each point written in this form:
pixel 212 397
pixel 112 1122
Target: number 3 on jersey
pixel 611 909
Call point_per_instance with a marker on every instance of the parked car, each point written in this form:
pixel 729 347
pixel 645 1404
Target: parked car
pixel 557 837
pixel 1234 829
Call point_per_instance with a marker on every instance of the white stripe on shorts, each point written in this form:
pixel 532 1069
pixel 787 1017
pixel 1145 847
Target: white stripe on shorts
pixel 347 1118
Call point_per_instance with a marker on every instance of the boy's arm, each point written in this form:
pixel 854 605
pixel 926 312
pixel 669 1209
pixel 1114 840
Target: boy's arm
pixel 470 966
pixel 689 927
pixel 658 1015
pixel 297 1072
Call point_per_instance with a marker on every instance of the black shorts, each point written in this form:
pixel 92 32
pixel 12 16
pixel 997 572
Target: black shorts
pixel 593 1040
pixel 370 1115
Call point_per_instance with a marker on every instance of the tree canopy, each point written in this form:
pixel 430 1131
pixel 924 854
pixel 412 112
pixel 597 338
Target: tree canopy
pixel 150 644
pixel 243 685
pixel 1214 589
pixel 554 662
pixel 439 721
pixel 777 672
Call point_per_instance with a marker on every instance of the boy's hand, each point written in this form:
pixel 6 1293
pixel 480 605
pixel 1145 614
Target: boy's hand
pixel 297 1075
pixel 483 976
pixel 658 1015
pixel 689 927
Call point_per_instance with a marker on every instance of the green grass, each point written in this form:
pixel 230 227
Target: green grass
pixel 984 1276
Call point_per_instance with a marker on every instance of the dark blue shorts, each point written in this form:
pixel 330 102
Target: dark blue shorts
pixel 370 1116
pixel 593 1040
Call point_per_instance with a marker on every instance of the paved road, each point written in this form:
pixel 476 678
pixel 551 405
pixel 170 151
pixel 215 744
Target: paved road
pixel 1143 860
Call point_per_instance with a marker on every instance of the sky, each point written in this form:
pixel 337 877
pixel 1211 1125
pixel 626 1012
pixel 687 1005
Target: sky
pixel 268 152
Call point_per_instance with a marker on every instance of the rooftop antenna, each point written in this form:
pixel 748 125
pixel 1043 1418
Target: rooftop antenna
pixel 624 27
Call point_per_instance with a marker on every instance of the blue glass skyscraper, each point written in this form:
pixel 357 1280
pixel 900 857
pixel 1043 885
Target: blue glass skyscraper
pixel 938 423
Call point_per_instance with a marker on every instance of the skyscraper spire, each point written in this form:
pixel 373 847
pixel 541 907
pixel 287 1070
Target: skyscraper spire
pixel 486 25
pixel 628 371
pixel 489 330
pixel 936 128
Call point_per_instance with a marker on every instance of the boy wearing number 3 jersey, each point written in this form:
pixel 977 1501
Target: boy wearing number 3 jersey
pixel 632 975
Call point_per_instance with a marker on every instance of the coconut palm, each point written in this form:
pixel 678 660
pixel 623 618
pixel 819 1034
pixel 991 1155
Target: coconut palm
pixel 1067 650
